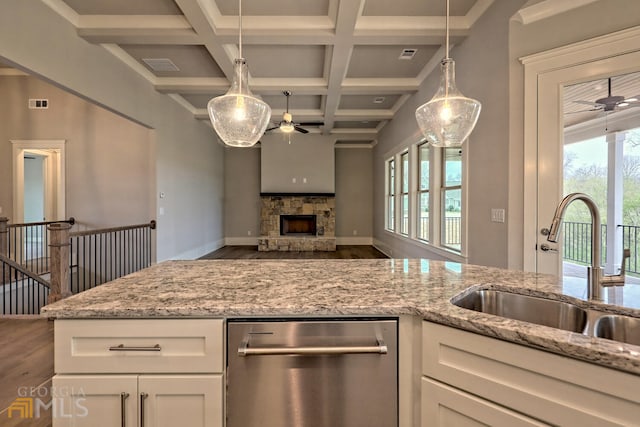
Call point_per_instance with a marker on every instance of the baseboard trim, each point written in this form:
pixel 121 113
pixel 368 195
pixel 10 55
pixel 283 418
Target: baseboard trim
pixel 253 241
pixel 200 251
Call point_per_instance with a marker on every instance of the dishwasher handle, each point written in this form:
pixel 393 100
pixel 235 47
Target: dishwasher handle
pixel 245 350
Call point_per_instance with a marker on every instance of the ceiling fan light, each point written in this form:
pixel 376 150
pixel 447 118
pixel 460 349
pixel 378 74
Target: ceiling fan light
pixel 634 99
pixel 287 127
pixel 449 117
pixel 238 117
pixel 623 104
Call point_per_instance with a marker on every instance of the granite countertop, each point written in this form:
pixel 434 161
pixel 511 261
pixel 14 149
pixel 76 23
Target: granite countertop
pixel 230 288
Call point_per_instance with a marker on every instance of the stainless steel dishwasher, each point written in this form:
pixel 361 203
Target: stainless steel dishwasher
pixel 312 373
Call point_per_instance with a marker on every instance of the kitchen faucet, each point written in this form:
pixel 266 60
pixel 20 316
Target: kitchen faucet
pixel 596 279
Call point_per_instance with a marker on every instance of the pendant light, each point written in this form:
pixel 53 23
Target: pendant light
pixel 238 116
pixel 449 117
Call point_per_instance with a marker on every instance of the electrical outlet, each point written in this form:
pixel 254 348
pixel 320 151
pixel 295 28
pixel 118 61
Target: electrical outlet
pixel 355 232
pixel 248 232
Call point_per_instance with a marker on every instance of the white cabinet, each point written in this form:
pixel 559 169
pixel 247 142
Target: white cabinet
pixel 139 400
pixel 147 373
pixel 546 387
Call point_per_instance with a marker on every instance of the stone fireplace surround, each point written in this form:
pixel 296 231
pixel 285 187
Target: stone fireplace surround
pixel 320 205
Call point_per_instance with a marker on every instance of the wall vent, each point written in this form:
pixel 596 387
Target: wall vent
pixel 408 53
pixel 160 64
pixel 38 104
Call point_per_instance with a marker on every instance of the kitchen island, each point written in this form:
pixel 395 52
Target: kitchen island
pixel 405 288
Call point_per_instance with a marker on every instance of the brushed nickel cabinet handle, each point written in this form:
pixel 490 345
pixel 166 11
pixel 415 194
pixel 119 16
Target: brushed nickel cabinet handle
pixel 143 396
pixel 122 347
pixel 123 417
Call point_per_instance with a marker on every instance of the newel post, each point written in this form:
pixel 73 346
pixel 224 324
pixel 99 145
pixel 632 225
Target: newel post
pixel 4 237
pixel 60 261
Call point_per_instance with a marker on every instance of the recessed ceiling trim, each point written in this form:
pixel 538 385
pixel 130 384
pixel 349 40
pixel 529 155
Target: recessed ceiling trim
pixel 224 24
pixel 216 85
pixel 379 86
pixel 546 9
pixel 119 53
pixel 371 115
pixel 167 22
pixel 410 23
pixel 64 10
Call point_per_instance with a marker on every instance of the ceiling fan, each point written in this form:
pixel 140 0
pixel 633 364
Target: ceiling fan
pixel 611 102
pixel 287 125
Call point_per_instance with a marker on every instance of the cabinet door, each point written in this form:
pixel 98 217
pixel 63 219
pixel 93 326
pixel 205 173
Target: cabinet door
pixel 181 400
pixel 445 406
pixel 94 400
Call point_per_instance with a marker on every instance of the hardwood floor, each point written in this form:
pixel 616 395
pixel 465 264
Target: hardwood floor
pixel 251 252
pixel 26 367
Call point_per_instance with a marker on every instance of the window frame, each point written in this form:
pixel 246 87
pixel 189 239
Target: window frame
pixel 389 218
pixel 403 194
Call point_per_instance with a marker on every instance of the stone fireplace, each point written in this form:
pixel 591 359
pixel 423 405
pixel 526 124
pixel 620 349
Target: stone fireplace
pixel 297 223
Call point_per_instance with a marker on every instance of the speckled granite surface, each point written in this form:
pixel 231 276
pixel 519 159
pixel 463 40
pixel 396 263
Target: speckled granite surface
pixel 229 288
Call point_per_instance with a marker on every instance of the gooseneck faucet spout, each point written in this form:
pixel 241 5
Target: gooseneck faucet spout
pixel 595 277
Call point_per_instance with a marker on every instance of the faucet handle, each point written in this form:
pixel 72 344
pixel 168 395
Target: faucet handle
pixel 618 279
pixel 626 253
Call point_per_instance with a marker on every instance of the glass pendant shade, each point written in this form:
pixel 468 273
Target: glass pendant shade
pixel 449 117
pixel 238 116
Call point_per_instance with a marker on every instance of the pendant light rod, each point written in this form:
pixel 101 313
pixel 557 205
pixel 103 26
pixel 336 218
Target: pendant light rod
pixel 240 27
pixel 446 26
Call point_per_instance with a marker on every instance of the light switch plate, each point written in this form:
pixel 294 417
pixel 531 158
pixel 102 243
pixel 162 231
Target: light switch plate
pixel 497 215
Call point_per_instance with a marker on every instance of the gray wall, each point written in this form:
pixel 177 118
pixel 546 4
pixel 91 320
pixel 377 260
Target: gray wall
pixel 481 73
pixel 242 193
pixel 354 193
pixel 188 159
pixel 109 160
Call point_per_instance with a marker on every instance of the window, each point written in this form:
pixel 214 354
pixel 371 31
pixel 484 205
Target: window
pixel 391 179
pixel 423 192
pixel 451 191
pixel 404 193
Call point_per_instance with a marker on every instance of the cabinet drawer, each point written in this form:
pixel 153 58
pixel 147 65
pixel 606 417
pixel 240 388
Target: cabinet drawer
pixel 443 406
pixel 139 346
pixel 551 388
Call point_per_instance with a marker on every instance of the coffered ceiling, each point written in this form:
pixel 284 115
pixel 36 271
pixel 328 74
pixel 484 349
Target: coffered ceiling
pixel 339 58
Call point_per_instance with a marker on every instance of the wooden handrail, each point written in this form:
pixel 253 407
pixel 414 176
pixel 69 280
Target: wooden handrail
pixel 70 221
pixel 151 225
pixel 22 270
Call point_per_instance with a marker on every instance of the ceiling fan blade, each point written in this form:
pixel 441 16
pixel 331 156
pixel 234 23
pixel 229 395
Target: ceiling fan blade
pixel 311 124
pixel 299 129
pixel 275 127
pixel 593 104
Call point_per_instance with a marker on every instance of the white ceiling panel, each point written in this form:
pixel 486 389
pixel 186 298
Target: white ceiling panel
pixel 124 7
pixel 362 102
pixel 192 61
pixel 285 61
pixel 382 61
pixel 275 8
pixel 416 8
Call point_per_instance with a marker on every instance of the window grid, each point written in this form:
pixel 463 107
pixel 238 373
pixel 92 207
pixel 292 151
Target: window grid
pixel 404 193
pixel 391 195
pixel 422 199
pixel 451 199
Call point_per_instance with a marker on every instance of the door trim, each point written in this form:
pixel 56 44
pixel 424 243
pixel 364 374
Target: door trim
pixel 535 68
pixel 19 146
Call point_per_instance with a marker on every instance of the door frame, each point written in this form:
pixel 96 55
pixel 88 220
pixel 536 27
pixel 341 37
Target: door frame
pixel 54 151
pixel 545 74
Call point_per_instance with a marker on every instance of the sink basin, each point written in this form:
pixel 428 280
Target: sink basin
pixel 541 311
pixel 618 328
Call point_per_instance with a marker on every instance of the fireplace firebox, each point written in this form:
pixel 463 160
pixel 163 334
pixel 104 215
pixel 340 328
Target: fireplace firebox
pixel 297 225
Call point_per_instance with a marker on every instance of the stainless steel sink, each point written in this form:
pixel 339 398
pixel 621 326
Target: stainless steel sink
pixel 618 328
pixel 541 311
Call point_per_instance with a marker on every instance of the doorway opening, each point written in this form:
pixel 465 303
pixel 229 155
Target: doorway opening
pixel 38 180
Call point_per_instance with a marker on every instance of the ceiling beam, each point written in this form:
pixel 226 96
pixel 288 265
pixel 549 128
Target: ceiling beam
pixel 347 17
